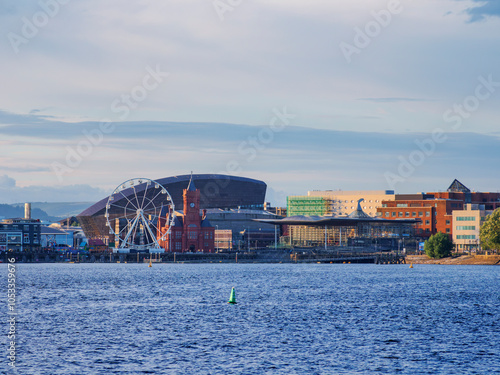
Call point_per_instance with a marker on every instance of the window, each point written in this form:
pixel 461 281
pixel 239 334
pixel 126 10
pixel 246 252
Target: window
pixel 207 235
pixel 400 214
pixel 414 214
pixel 387 214
pixel 402 205
pixel 447 222
pixel 193 235
pixel 178 246
pixel 447 230
pixel 427 214
pixel 178 234
pixel 427 222
pixel 407 214
pixel 393 214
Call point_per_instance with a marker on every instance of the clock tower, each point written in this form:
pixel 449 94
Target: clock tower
pixel 189 231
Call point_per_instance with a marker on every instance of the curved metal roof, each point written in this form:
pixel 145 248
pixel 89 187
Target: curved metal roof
pixel 216 191
pixel 339 221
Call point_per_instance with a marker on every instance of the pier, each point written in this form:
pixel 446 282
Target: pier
pixel 257 256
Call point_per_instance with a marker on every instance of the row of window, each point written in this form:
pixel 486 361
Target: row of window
pixel 466 218
pixel 193 235
pixel 178 245
pixel 407 214
pixel 25 228
pixel 466 227
pixel 466 237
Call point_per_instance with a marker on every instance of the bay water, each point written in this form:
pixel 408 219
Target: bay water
pixel 289 319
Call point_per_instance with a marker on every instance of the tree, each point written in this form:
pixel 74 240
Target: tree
pixel 490 231
pixel 438 246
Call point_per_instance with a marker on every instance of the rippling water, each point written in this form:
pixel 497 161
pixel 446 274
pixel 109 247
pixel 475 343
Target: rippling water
pixel 290 319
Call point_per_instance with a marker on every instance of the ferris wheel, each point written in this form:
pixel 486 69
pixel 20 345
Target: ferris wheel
pixel 132 214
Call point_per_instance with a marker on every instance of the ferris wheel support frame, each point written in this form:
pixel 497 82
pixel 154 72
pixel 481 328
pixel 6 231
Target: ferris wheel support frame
pixel 135 208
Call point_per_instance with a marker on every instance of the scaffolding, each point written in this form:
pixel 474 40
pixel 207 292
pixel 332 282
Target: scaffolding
pixel 309 206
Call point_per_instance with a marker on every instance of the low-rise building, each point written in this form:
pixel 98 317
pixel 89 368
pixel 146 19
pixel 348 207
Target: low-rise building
pixel 467 225
pixel 20 234
pixel 435 214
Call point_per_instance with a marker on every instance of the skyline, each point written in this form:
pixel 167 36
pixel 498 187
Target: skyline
pixel 365 95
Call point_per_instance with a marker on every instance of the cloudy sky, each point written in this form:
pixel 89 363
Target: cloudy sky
pixel 305 95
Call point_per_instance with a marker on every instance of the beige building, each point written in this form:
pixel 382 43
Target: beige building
pixel 223 239
pixel 466 226
pixel 344 202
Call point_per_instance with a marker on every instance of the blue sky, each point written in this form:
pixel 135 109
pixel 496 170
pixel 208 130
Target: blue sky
pixel 199 85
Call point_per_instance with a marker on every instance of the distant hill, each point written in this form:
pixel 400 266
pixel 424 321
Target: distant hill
pixel 59 210
pixel 8 211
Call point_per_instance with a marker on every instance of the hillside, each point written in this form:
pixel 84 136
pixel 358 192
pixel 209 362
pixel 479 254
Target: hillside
pixel 8 211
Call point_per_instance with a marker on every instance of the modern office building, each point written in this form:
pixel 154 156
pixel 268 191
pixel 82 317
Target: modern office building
pixel 467 225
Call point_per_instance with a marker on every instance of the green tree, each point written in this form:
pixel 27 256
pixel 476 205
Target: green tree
pixel 438 246
pixel 490 231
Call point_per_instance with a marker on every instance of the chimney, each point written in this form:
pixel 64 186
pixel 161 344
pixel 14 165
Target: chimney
pixel 27 211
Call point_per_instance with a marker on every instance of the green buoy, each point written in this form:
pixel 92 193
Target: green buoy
pixel 232 298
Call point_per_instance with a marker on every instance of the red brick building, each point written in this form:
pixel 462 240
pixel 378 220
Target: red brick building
pixel 436 209
pixel 436 214
pixel 189 231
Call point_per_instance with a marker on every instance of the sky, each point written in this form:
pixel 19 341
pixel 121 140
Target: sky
pixel 350 95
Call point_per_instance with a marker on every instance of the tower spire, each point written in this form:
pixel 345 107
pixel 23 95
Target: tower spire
pixel 191 186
